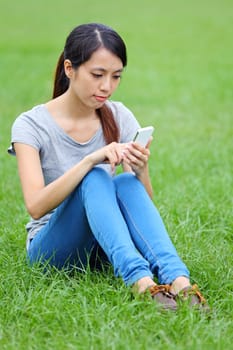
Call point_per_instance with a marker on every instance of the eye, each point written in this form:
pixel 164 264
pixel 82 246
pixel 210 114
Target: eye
pixel 116 77
pixel 97 75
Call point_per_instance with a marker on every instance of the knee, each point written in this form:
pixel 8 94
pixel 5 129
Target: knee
pixel 97 177
pixel 96 173
pixel 127 181
pixel 96 183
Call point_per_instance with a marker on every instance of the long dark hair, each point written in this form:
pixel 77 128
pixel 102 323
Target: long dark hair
pixel 81 43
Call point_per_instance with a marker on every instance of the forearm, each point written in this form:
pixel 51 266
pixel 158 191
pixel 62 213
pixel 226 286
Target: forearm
pixel 143 177
pixel 145 180
pixel 50 196
pixel 40 198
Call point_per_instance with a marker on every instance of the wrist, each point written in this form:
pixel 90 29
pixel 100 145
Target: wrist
pixel 88 161
pixel 143 173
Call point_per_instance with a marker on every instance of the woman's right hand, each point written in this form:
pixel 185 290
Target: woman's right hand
pixel 111 154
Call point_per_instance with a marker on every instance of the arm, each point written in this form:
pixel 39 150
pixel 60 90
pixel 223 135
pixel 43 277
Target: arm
pixel 40 199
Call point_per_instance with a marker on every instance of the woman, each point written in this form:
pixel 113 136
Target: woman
pixel 67 151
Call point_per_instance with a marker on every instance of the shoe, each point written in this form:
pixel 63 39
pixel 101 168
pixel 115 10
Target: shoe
pixel 161 295
pixel 193 296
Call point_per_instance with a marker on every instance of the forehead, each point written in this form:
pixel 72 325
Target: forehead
pixel 103 58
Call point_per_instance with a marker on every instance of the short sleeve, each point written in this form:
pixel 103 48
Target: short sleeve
pixel 24 130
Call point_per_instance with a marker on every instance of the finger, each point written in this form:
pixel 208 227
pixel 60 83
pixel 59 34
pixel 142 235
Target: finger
pixel 133 154
pixel 139 148
pixel 116 150
pixel 135 161
pixel 149 142
pixel 114 157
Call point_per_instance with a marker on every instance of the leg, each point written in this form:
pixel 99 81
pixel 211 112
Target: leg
pixel 91 214
pixel 109 227
pixel 66 239
pixel 147 230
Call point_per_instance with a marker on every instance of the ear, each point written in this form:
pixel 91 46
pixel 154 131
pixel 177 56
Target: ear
pixel 68 68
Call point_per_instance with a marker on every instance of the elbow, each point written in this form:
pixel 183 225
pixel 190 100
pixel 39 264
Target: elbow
pixel 36 216
pixel 37 207
pixel 34 212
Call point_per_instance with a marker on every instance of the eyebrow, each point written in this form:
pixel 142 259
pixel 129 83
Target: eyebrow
pixel 105 70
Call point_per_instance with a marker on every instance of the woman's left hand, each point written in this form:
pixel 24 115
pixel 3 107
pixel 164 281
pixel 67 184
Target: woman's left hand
pixel 136 157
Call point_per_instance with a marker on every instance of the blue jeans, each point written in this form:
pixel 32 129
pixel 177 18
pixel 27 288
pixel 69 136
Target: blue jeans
pixel 117 216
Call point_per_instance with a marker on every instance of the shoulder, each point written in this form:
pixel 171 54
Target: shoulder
pixel 118 108
pixel 122 114
pixel 29 128
pixel 34 121
pixel 125 119
pixel 33 115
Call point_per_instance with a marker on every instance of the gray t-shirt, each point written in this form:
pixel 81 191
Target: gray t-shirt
pixel 58 151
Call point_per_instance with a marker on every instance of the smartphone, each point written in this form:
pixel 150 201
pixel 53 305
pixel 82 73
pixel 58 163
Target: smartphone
pixel 143 135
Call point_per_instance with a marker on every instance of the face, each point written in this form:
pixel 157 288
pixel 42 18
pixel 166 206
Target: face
pixel 96 79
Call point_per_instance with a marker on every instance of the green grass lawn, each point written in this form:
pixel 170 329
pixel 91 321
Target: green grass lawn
pixel 180 79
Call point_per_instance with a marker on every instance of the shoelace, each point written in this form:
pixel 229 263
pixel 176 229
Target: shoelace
pixel 195 291
pixel 163 288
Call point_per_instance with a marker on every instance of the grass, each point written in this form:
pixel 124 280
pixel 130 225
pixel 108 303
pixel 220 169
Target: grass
pixel 179 79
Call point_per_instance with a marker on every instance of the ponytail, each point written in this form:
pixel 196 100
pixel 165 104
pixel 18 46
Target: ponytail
pixel 61 82
pixel 109 126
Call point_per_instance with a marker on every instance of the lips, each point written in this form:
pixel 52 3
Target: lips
pixel 101 98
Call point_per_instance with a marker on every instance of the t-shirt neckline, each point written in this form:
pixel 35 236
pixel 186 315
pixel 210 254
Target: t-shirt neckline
pixel 62 131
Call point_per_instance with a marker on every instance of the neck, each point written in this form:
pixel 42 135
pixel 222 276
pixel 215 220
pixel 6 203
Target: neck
pixel 69 106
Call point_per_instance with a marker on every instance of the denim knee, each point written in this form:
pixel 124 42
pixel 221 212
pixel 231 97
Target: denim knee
pixel 128 182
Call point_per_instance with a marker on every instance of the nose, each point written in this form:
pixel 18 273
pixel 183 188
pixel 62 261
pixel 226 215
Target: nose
pixel 106 84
